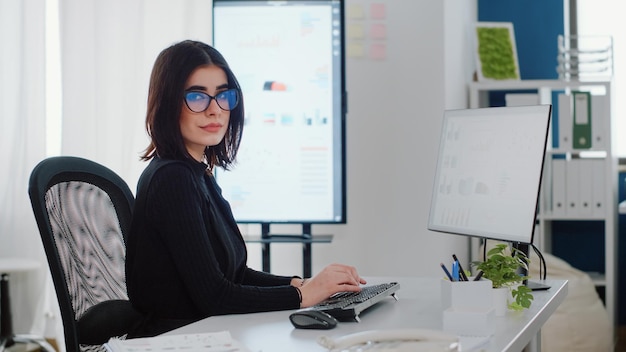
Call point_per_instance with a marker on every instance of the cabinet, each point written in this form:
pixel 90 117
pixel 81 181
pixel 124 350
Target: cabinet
pixel 590 170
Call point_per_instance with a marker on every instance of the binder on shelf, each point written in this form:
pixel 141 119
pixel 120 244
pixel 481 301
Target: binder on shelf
pixel 585 186
pixel 559 180
pixel 565 121
pixel 521 99
pixel 572 187
pixel 582 120
pixel 598 187
pixel 546 193
pixel 599 117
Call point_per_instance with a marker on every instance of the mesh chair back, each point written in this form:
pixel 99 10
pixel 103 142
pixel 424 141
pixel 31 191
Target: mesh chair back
pixel 89 240
pixel 83 211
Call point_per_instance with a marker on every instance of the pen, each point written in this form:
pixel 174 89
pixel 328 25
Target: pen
pixel 445 270
pixel 461 271
pixel 478 276
pixel 455 271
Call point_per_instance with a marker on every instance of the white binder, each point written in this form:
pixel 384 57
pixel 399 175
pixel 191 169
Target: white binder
pixel 559 180
pixel 585 186
pixel 565 121
pixel 598 188
pixel 521 99
pixel 597 123
pixel 572 187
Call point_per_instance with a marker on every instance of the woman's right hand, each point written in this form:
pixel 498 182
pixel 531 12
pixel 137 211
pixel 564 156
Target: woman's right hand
pixel 332 279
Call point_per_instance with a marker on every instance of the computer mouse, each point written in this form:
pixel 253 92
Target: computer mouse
pixel 312 319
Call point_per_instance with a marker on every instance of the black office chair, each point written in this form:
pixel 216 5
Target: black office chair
pixel 83 211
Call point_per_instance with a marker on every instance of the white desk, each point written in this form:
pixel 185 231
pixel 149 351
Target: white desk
pixel 419 306
pixel 7 337
pixel 10 265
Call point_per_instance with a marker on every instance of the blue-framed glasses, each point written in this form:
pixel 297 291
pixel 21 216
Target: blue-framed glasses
pixel 198 101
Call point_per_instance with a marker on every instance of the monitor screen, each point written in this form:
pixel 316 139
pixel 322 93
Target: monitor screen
pixel 289 59
pixel 488 173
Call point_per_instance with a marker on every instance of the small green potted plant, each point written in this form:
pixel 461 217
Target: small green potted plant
pixel 502 268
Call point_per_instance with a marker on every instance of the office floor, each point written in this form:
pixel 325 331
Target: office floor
pixel 19 347
pixel 621 339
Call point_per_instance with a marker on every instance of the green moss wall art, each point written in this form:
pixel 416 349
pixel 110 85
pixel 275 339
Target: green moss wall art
pixel 496 53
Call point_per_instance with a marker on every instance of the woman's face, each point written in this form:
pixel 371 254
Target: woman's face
pixel 207 128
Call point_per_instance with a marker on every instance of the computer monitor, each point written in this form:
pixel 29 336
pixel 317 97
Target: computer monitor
pixel 489 171
pixel 289 59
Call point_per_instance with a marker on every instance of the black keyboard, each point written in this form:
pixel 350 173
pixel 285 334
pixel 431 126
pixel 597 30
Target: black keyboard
pixel 346 306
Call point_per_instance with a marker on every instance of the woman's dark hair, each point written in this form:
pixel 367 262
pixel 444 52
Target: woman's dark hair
pixel 171 70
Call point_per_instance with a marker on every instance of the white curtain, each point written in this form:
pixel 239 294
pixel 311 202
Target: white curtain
pixel 22 141
pixel 107 49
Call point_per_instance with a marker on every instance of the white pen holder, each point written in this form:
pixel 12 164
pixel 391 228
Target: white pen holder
pixel 468 307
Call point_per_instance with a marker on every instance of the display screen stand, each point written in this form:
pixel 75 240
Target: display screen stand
pixel 306 238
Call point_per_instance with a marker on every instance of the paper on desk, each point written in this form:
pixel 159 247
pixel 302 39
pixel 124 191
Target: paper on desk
pixel 205 342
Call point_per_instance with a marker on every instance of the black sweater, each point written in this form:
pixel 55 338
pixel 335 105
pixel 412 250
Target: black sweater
pixel 186 259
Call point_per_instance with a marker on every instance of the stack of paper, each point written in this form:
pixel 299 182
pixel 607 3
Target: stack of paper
pixel 206 342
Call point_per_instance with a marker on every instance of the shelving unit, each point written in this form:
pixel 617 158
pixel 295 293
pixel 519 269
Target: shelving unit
pixel 606 208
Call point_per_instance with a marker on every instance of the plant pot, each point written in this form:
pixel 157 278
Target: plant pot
pixel 501 298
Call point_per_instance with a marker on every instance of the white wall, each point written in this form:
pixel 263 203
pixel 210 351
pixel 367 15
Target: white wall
pixel 394 111
pixel 395 106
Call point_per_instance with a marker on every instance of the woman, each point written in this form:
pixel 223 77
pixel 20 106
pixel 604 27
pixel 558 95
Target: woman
pixel 186 259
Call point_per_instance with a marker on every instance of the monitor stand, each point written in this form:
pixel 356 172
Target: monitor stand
pixel 305 238
pixel 533 285
pixel 536 286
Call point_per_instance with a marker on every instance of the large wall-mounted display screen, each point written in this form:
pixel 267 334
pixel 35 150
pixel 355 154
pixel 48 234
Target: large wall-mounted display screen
pixel 289 59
